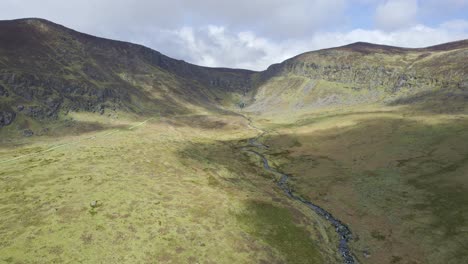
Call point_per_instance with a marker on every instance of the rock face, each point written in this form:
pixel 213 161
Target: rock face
pixel 363 73
pixel 367 65
pixel 6 118
pixel 58 69
pixel 3 91
pixel 28 133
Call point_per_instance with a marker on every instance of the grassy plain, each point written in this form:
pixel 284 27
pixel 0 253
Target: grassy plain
pixel 181 190
pixel 137 188
pixel 171 190
pixel 396 175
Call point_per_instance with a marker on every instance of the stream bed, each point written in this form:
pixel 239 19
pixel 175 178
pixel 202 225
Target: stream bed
pixel 341 229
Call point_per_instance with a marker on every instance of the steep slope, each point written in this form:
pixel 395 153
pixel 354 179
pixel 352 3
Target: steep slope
pixel 188 187
pixel 376 136
pixel 366 73
pixel 47 69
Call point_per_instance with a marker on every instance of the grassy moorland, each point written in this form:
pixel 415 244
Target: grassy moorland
pixel 377 136
pixel 396 175
pixel 111 152
pixel 171 190
pixel 180 189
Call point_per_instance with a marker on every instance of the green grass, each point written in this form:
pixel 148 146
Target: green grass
pixel 181 189
pixel 397 177
pixel 274 225
pixel 165 191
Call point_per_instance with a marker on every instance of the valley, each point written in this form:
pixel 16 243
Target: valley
pixel 404 204
pixel 166 194
pixel 111 152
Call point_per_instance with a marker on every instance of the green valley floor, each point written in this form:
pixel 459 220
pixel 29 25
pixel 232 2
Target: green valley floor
pixel 183 189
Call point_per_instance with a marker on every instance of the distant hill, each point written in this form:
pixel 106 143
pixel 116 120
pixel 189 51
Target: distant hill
pixel 366 73
pixel 47 69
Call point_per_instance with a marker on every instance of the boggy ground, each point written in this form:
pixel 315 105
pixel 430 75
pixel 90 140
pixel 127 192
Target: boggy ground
pixel 396 176
pixel 168 190
pixel 182 190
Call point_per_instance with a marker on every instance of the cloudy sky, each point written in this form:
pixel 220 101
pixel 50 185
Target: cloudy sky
pixel 253 33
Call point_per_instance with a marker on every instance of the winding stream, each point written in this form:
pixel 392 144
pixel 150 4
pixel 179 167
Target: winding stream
pixel 341 229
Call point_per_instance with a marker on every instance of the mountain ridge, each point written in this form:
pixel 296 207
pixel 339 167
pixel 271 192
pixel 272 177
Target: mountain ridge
pixel 114 152
pixel 457 44
pixel 47 69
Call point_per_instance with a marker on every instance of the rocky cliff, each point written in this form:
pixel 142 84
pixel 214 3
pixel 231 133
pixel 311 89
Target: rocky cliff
pixel 365 73
pixel 47 69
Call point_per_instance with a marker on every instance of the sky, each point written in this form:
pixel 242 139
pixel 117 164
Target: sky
pixel 253 34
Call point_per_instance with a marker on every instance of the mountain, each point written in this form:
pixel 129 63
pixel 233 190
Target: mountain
pixel 46 69
pixel 111 152
pixel 363 73
pixel 375 134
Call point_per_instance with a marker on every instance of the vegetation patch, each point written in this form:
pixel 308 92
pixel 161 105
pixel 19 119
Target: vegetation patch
pixel 275 226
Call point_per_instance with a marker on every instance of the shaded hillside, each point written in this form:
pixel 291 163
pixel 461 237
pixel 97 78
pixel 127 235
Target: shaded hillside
pixel 46 69
pixel 365 73
pixel 383 174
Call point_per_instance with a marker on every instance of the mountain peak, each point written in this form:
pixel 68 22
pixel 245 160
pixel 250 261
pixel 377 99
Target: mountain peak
pixel 450 45
pixel 32 21
pixel 366 47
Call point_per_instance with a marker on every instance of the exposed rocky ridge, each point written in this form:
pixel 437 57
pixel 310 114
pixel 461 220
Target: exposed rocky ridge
pixel 383 72
pixel 6 117
pixel 47 68
pixel 38 38
pixel 366 47
pixel 364 63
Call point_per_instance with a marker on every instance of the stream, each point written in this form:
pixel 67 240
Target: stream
pixel 341 229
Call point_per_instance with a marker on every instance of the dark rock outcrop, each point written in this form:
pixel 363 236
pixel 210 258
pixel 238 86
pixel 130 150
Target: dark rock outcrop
pixel 28 133
pixel 6 118
pixel 59 69
pixel 3 91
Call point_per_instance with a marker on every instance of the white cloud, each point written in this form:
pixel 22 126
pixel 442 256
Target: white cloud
pixel 247 33
pixel 450 4
pixel 395 14
pixel 458 26
pixel 222 47
pixel 412 37
pixel 217 46
pixel 272 18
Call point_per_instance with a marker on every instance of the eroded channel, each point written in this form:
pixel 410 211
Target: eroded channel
pixel 341 229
